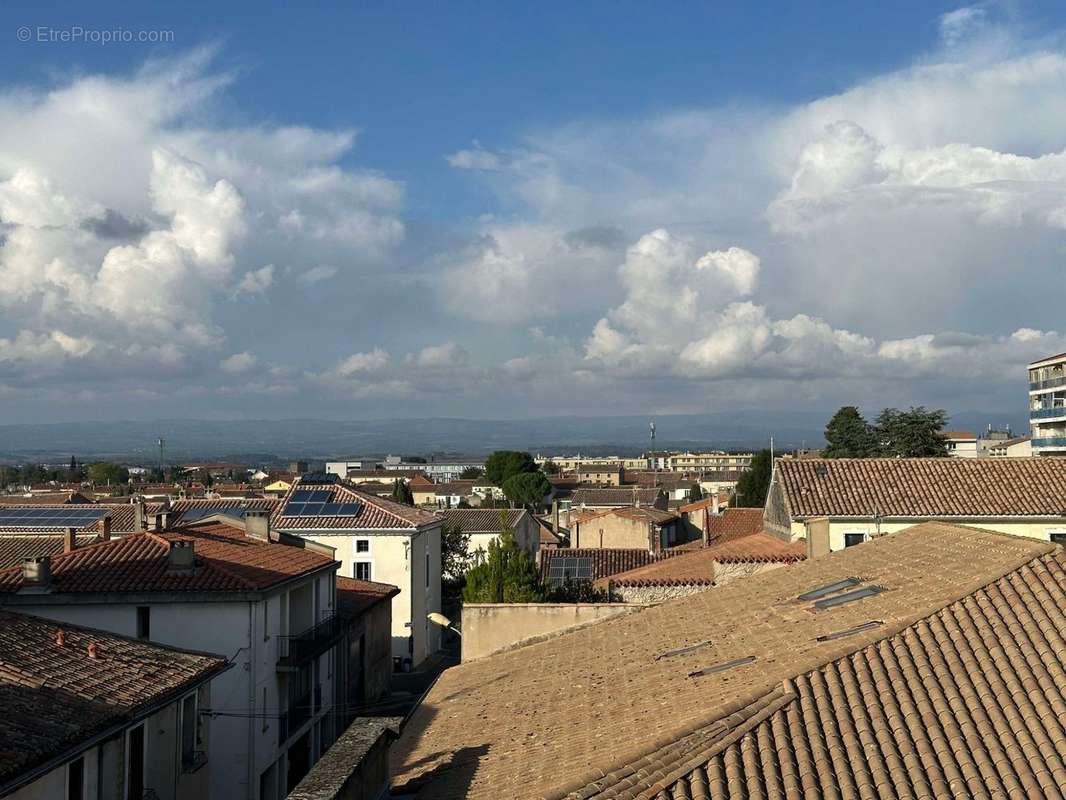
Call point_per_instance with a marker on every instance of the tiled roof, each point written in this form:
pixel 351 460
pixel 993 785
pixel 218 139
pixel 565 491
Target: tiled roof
pixel 355 596
pixel 614 497
pixel 377 513
pixel 482 520
pixel 226 560
pixel 44 498
pixel 123 515
pixel 958 435
pixel 734 522
pixel 15 547
pixel 636 717
pixel 606 561
pixel 924 487
pixel 696 566
pixel 452 487
pixel 179 507
pixel 56 697
pixel 548 536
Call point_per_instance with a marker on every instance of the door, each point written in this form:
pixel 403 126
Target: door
pixel 135 763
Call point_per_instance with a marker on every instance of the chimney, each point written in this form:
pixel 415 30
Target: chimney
pixel 161 520
pixel 70 539
pixel 555 516
pixel 817 537
pixel 140 517
pixel 182 555
pixel 257 524
pixel 37 573
pixel 706 527
pixel 105 529
pixel 714 504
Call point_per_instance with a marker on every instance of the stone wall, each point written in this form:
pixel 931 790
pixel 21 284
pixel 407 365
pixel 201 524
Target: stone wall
pixel 356 767
pixel 491 627
pixel 647 595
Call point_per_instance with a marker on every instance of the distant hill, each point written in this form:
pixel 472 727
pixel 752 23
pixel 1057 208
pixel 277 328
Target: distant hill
pixel 252 440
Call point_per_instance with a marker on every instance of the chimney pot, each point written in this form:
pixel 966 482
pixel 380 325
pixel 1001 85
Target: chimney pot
pixel 105 528
pixel 70 540
pixel 37 572
pixel 91 649
pixel 257 524
pixel 60 638
pixel 161 520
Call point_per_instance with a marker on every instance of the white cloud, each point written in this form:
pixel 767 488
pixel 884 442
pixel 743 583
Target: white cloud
pixel 238 363
pixel 476 158
pixel 317 274
pixel 357 363
pixel 961 23
pixel 257 281
pixel 448 354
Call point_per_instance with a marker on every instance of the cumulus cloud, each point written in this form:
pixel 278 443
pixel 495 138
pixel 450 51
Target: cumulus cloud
pixel 448 354
pixel 357 363
pixel 476 158
pixel 238 363
pixel 961 23
pixel 317 274
pixel 257 281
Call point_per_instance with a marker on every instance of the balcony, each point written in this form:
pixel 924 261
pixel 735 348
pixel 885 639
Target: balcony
pixel 297 650
pixel 1050 441
pixel 1050 383
pixel 1047 413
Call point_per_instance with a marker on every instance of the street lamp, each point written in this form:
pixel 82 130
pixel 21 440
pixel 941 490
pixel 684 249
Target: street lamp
pixel 439 619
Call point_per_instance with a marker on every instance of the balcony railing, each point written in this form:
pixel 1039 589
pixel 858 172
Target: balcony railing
pixel 1045 413
pixel 302 647
pixel 1050 441
pixel 298 713
pixel 1050 383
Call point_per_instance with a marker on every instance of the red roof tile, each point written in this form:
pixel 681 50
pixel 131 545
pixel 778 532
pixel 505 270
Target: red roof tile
pixel 226 560
pixel 355 596
pixel 376 513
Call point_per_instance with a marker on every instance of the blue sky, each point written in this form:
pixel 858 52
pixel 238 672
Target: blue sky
pixel 528 210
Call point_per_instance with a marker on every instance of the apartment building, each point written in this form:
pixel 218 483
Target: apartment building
pixel 863 498
pixel 1047 405
pixel 265 601
pixel 375 539
pixel 88 714
pixel 706 461
pixel 600 474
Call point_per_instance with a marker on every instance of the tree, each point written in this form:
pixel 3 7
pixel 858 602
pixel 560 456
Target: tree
pixel 912 434
pixel 104 472
pixel 695 493
pixel 508 574
pixel 76 473
pixel 753 484
pixel 502 464
pixel 848 435
pixel 550 468
pixel 455 557
pixel 471 473
pixel 401 492
pixel 527 489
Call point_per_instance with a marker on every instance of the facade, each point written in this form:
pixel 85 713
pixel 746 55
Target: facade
pixel 443 495
pixel 862 499
pixel 88 714
pixel 961 444
pixel 628 528
pixel 1017 447
pixel 1047 405
pixel 600 474
pixel 375 539
pixel 918 668
pixel 439 471
pixel 483 525
pixel 222 586
pixel 717 460
pixel 365 657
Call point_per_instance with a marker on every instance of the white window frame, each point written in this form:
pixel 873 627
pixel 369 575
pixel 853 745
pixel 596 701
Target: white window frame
pixel 355 569
pixel 143 725
pixel 195 695
pixel 367 552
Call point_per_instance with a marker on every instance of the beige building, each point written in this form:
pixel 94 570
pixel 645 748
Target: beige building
pixel 1018 447
pixel 600 475
pixel 483 526
pixel 713 460
pixel 866 498
pixel 629 527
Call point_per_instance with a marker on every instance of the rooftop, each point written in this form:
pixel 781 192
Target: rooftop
pixel 606 561
pixel 924 487
pixel 613 497
pixel 227 560
pixel 482 520
pixel 355 596
pixel 15 547
pixel 373 513
pixel 56 697
pixel 640 513
pixel 675 685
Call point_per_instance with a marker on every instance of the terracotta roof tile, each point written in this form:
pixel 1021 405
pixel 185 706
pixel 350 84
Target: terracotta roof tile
pixel 226 560
pixel 636 717
pixel 924 487
pixel 56 697
pixel 613 497
pixel 482 520
pixel 355 596
pixel 15 547
pixel 605 561
pixel 377 513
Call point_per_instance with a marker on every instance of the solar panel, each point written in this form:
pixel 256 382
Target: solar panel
pixel 313 509
pixel 319 508
pixel 311 496
pixel 293 510
pixel 570 568
pixel 722 667
pixel 58 517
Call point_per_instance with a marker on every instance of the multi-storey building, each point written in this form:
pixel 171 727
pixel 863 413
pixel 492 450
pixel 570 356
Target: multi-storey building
pixel 219 585
pixel 1047 405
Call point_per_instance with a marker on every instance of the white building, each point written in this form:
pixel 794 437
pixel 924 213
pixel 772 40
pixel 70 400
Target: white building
pixel 375 540
pixel 60 739
pixel 483 525
pixel 224 586
pixel 960 444
pixel 1047 405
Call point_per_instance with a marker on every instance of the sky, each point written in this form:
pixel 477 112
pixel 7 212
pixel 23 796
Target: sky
pixel 525 210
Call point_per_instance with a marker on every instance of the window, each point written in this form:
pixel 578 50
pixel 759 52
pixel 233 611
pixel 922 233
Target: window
pixel 362 545
pixel 144 622
pixel 76 779
pixel 1057 537
pixel 190 734
pixel 851 539
pixel 362 571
